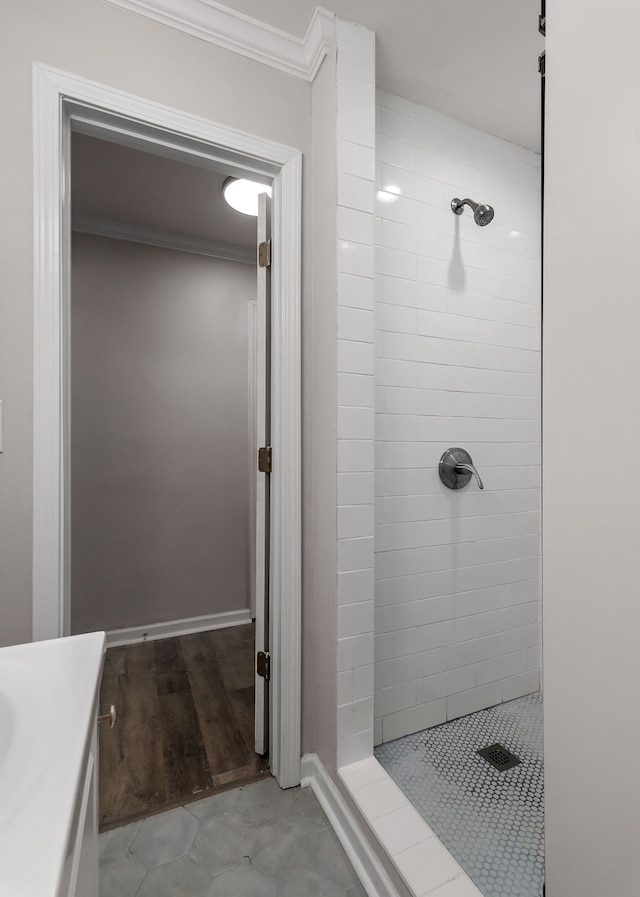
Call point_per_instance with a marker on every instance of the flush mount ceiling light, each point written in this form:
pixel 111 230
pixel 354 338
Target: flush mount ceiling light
pixel 242 195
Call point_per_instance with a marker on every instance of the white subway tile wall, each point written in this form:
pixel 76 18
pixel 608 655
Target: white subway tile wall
pixel 356 395
pixel 457 363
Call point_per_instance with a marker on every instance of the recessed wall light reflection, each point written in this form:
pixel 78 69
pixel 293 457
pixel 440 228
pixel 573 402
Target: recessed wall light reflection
pixel 389 194
pixel 242 194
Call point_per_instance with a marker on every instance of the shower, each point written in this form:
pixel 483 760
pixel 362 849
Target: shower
pixel 457 604
pixel 482 214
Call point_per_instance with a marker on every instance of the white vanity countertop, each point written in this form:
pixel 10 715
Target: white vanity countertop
pixel 47 693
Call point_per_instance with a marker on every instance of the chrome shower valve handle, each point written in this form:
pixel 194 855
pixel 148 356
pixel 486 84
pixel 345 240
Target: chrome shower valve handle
pixel 456 469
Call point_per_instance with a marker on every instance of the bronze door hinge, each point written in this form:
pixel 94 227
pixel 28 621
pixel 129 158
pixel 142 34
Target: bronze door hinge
pixel 265 459
pixel 264 254
pixel 263 665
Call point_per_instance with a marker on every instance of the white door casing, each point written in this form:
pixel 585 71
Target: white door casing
pixel 252 473
pixel 63 101
pixel 263 433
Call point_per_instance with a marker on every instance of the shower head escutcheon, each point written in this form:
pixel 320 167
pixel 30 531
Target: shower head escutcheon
pixel 482 214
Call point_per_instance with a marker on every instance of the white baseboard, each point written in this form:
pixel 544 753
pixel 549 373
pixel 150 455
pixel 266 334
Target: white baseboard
pixel 366 864
pixel 117 637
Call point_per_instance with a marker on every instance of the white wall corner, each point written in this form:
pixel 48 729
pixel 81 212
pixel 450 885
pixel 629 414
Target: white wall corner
pixel 231 30
pixel 366 864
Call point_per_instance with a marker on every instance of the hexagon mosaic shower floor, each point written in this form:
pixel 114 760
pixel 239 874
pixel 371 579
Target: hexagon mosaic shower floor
pixel 492 822
pixel 254 841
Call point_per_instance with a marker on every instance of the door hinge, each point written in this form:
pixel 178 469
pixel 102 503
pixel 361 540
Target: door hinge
pixel 263 665
pixel 541 63
pixel 264 254
pixel 265 459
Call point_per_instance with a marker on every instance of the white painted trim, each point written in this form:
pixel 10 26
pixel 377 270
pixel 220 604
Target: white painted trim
pixel 286 478
pixel 60 98
pixel 366 864
pixel 151 236
pixel 132 634
pixel 234 31
pixel 252 472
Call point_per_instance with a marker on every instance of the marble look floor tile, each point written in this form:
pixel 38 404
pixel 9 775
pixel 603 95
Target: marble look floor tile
pixel 226 802
pixel 243 881
pixel 181 878
pixel 120 875
pixel 357 891
pixel 223 842
pixel 282 848
pixel 265 801
pixel 165 837
pixel 305 806
pixel 254 841
pixel 118 839
pixel 310 884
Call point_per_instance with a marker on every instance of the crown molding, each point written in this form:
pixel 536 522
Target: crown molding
pixel 151 236
pixel 227 28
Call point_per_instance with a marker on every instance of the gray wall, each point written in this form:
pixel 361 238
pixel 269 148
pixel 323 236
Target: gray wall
pixel 159 449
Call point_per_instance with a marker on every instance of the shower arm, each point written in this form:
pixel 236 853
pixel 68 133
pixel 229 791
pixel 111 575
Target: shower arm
pixel 457 205
pixel 461 467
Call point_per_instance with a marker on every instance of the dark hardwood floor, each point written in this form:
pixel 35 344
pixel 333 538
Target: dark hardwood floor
pixel 185 726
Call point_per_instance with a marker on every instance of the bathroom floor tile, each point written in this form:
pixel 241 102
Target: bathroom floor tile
pixel 120 874
pixel 182 877
pixel 223 841
pixel 254 841
pixel 491 822
pixel 118 839
pixel 165 837
pixel 243 881
pixel 282 848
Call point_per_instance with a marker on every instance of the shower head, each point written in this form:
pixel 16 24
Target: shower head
pixel 482 214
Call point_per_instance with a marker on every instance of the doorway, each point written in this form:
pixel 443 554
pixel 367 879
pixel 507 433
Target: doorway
pixel 163 279
pixel 65 103
pixel 161 480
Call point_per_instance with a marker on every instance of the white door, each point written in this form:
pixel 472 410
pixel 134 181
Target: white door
pixel 263 434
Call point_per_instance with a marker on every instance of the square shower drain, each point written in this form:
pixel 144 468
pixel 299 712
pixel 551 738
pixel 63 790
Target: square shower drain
pixel 499 757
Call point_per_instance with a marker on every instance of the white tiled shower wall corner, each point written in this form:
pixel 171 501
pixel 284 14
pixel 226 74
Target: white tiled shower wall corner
pixel 355 163
pixel 457 318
